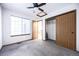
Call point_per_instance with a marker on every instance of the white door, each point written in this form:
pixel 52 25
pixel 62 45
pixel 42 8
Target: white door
pixel 0 29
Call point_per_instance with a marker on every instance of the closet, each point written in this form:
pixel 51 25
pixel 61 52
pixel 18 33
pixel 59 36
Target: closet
pixel 51 29
pixel 66 30
pixel 63 31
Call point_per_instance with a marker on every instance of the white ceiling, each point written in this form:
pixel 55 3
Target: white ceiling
pixel 19 7
pixel 22 7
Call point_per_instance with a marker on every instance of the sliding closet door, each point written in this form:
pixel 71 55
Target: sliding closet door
pixel 72 40
pixel 66 30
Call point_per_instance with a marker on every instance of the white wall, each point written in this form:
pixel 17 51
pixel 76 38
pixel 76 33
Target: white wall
pixel 7 39
pixel 77 28
pixel 0 28
pixel 43 29
pixel 51 29
pixel 63 10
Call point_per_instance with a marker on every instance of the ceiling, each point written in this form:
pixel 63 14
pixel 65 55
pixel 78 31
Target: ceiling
pixel 19 7
pixel 22 7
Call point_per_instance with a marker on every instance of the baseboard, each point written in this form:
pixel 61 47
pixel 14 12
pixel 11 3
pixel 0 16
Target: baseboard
pixel 16 42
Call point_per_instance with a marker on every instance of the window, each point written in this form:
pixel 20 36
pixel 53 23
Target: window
pixel 20 26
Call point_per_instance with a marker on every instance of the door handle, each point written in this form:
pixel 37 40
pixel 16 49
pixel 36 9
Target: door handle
pixel 72 32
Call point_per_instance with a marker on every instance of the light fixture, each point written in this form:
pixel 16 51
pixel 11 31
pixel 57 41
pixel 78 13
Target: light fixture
pixel 41 14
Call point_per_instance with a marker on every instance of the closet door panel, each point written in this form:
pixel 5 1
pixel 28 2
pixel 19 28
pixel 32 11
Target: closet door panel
pixel 60 30
pixel 66 30
pixel 72 30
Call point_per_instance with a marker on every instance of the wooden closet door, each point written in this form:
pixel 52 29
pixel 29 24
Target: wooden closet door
pixel 66 30
pixel 72 30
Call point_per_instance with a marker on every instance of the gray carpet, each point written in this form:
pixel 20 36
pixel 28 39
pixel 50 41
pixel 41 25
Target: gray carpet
pixel 36 48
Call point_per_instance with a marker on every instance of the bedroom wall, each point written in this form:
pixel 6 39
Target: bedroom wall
pixel 7 39
pixel 77 27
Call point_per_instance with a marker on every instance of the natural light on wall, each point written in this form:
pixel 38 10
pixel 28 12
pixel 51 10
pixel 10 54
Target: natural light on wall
pixel 20 26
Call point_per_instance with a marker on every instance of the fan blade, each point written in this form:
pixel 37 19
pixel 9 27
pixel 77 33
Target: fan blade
pixel 41 9
pixel 41 4
pixel 30 7
pixel 35 4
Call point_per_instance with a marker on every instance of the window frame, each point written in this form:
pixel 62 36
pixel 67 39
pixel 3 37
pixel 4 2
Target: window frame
pixel 21 25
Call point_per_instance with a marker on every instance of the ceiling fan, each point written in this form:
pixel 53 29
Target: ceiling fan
pixel 37 5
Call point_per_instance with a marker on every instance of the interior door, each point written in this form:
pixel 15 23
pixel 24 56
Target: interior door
pixel 37 30
pixel 66 30
pixel 34 30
